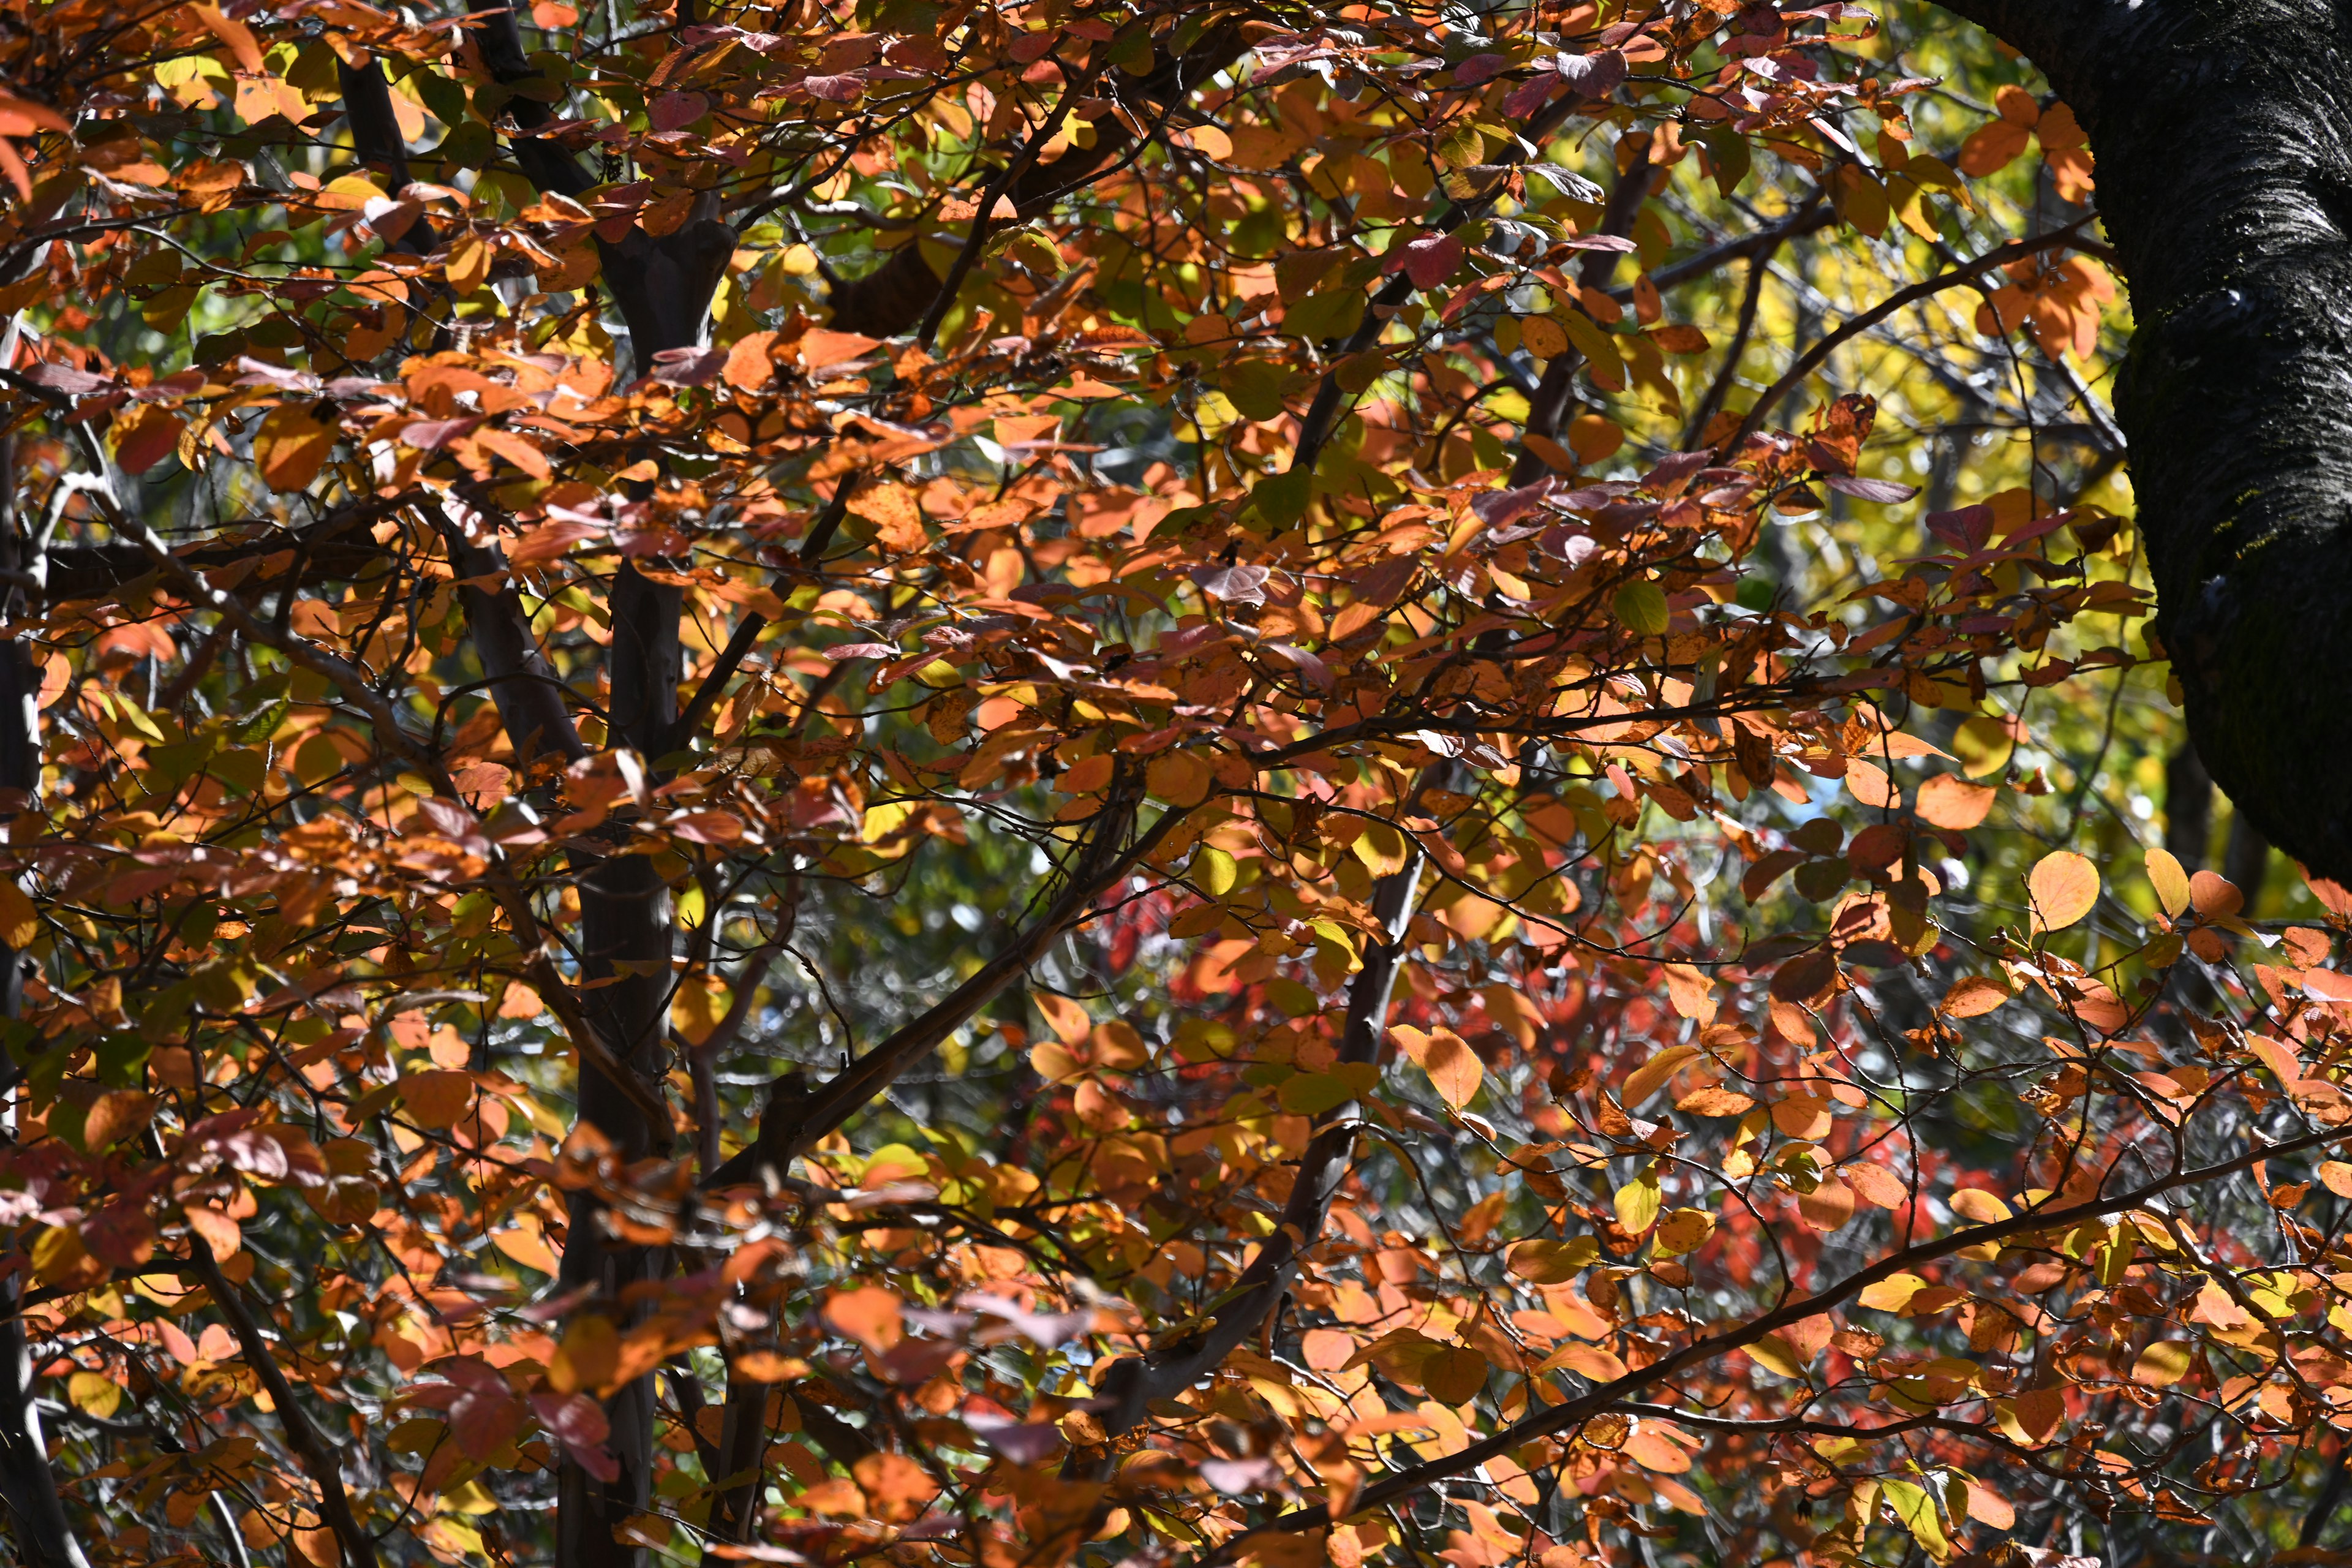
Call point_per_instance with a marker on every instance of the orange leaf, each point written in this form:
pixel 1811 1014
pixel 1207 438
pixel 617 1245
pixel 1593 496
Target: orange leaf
pixel 23 117
pixel 1454 1068
pixel 868 1314
pixel 1972 996
pixel 235 34
pixel 748 366
pixel 1950 801
pixel 1066 1018
pixel 820 348
pixel 1827 1207
pixel 1992 148
pixel 292 442
pixel 1876 1185
pixel 1692 994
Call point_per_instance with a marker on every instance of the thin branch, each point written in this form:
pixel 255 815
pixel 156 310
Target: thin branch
pixel 1966 272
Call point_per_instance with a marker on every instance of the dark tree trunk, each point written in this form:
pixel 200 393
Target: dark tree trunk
pixel 2188 809
pixel 2223 135
pixel 28 1486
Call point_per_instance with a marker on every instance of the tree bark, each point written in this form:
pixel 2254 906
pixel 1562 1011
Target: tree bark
pixel 2223 131
pixel 28 1485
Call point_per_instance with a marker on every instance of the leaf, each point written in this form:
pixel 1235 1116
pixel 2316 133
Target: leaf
pixel 1455 1375
pixel 235 34
pixel 1313 1093
pixel 1976 1204
pixel 1453 1068
pixel 293 441
pixel 437 1100
pixel 1828 1207
pixel 1885 492
pixel 1891 1294
pixel 749 368
pixel 1692 994
pixel 1949 801
pixel 91 1392
pixel 1973 996
pixel 470 263
pixel 1545 1262
pixel 1651 1076
pixel 2163 1363
pixel 1432 258
pixel 2336 1177
pixel 1642 608
pixel 2171 883
pixel 1874 1184
pixel 1985 746
pixel 1588 1361
pixel 1991 148
pixel 19 921
pixel 1637 1203
pixel 1916 1508
pixel 1685 1230
pixel 2064 886
pixel 1068 1018
pixel 1214 871
pixel 23 117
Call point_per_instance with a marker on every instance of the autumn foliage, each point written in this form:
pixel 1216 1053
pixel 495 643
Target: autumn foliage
pixel 1001 783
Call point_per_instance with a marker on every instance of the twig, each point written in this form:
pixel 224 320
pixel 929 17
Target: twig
pixel 1966 272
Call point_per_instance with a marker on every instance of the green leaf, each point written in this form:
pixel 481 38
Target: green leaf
pixel 1641 606
pixel 1313 1093
pixel 1916 1508
pixel 1282 500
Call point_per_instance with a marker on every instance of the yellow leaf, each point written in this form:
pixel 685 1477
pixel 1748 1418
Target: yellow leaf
pixel 1891 1294
pixel 1976 1204
pixel 1637 1204
pixel 2064 886
pixel 293 442
pixel 586 1358
pixel 2162 1364
pixel 94 1393
pixel 1216 871
pixel 2171 883
pixel 696 1008
pixel 1685 1230
pixel 1652 1075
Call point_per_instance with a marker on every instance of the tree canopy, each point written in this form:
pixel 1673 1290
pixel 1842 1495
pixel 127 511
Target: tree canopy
pixel 1018 783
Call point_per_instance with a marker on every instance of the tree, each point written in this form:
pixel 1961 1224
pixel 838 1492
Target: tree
pixel 1167 784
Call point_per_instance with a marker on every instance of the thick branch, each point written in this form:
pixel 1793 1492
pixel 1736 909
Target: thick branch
pixel 1164 1374
pixel 1102 860
pixel 318 1456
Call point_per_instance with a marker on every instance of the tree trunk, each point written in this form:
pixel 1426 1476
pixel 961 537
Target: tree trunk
pixel 2225 184
pixel 29 1488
